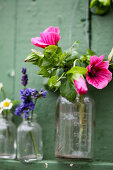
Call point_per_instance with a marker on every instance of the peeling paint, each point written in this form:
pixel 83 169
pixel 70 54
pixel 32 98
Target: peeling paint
pixel 46 165
pixel 71 165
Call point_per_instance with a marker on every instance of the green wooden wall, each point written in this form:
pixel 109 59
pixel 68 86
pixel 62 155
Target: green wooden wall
pixel 22 19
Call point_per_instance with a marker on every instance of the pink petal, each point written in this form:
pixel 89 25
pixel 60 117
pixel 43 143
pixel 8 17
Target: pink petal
pixel 52 29
pixel 101 58
pixel 81 86
pixel 104 74
pixel 88 68
pixel 95 59
pixel 50 38
pixel 98 83
pixel 101 79
pixel 102 65
pixel 38 42
pixel 98 74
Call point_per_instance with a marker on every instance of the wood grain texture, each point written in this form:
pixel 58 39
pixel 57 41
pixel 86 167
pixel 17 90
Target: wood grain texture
pixel 102 42
pixel 7 36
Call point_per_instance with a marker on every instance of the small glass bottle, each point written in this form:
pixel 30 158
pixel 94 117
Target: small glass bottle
pixel 29 140
pixel 7 137
pixel 74 128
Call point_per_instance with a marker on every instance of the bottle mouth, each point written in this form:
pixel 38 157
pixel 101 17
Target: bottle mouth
pixel 30 117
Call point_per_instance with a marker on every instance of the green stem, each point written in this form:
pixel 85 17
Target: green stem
pixel 34 144
pixel 4 95
pixel 61 76
pixel 81 118
pixel 74 64
pixel 5 116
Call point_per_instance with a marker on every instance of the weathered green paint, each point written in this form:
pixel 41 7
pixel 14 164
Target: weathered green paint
pixel 102 42
pixel 50 165
pixel 21 20
pixel 7 36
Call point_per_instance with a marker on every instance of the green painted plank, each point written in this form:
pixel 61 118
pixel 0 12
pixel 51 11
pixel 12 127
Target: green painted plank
pixel 7 36
pixel 32 18
pixel 102 42
pixel 50 165
pixel 102 33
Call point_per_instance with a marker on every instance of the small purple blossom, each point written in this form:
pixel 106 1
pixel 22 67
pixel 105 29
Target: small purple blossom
pixel 26 94
pixel 25 107
pixel 24 79
pixel 23 70
pixel 18 111
pixel 43 93
pixel 34 93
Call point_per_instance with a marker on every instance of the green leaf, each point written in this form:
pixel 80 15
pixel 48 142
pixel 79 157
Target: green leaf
pixel 51 49
pixel 71 53
pixel 44 72
pixel 93 3
pixel 68 91
pixel 53 72
pixel 100 7
pixel 52 81
pixel 100 3
pixel 90 52
pixel 57 85
pixel 105 2
pixel 86 57
pixel 52 54
pixel 77 69
pixel 101 10
pixel 35 58
pixel 61 60
pixel 77 76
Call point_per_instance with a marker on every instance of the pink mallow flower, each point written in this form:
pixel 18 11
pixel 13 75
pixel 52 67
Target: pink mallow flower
pixel 50 36
pixel 98 74
pixel 80 85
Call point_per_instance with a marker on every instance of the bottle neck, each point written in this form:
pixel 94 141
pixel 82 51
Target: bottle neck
pixel 30 118
pixel 5 115
pixel 5 118
pixel 80 98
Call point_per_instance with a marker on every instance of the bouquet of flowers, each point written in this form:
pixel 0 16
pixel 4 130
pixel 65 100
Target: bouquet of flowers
pixel 26 108
pixel 29 97
pixel 68 70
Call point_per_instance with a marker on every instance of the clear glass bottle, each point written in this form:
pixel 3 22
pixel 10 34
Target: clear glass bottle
pixel 7 137
pixel 29 140
pixel 74 128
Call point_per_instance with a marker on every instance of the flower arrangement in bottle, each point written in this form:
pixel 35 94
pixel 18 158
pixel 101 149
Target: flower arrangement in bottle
pixel 7 129
pixel 69 72
pixel 29 132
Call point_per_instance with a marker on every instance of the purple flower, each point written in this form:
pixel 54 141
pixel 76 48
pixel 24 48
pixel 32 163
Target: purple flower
pixel 43 93
pixel 34 93
pixel 24 79
pixel 23 70
pixel 25 107
pixel 18 111
pixel 26 94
